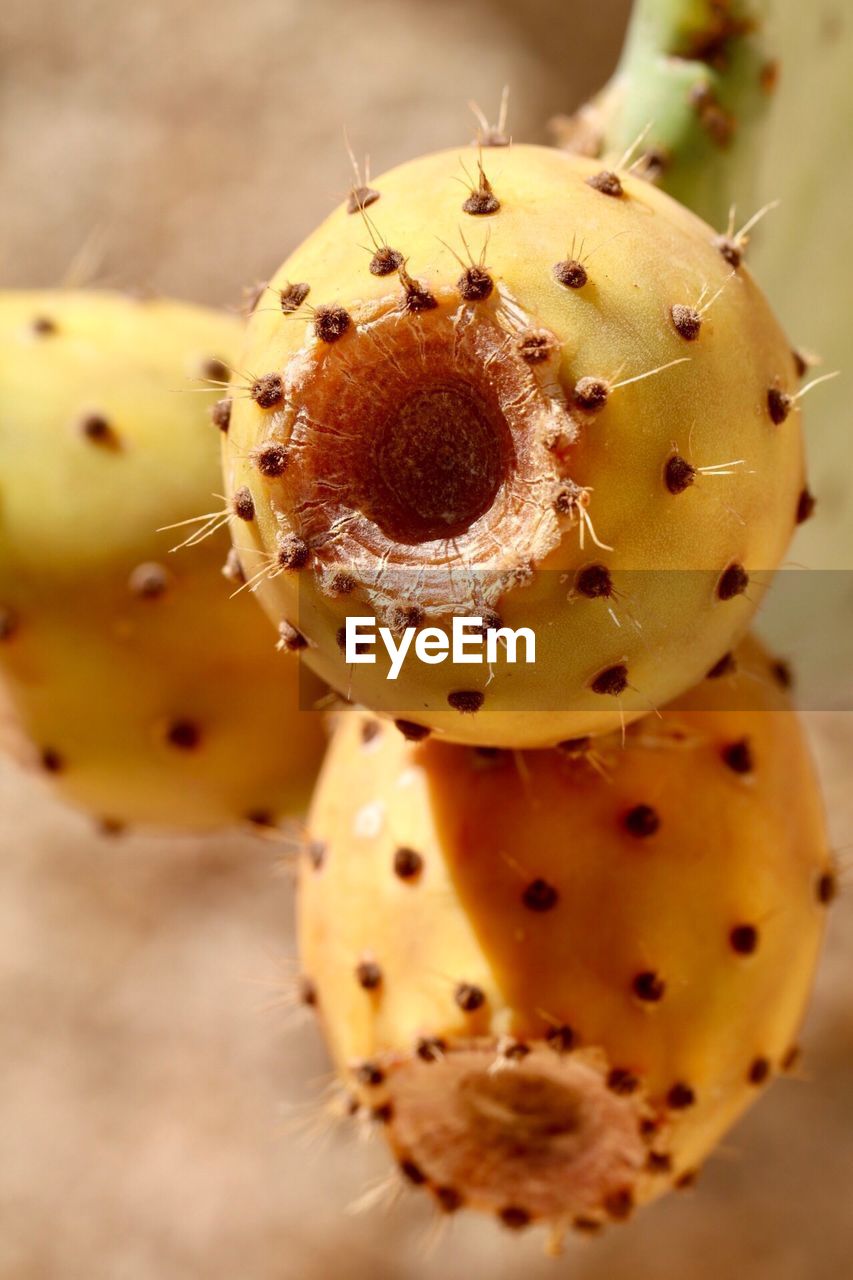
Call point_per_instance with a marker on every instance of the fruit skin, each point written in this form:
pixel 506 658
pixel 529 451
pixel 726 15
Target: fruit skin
pixel 665 901
pixel 145 692
pixel 335 412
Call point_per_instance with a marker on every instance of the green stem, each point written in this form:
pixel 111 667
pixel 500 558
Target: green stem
pixel 693 80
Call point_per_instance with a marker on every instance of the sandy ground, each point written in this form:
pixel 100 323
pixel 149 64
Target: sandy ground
pixel 152 1102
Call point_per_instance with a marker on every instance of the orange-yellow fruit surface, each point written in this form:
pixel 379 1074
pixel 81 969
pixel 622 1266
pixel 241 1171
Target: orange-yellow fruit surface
pixel 559 976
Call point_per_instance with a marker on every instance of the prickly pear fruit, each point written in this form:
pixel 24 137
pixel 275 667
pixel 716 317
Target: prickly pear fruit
pixel 557 977
pixel 147 694
pixel 588 428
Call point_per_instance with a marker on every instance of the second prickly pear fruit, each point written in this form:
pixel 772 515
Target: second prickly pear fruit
pixel 556 978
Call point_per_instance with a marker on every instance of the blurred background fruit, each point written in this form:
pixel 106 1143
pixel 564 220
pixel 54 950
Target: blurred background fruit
pixel 149 695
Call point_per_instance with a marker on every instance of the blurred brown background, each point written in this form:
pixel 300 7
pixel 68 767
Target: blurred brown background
pixel 196 143
pixel 151 1103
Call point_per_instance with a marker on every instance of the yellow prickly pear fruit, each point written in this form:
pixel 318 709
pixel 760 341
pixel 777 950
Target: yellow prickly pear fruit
pixel 557 977
pixel 144 691
pixel 555 401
